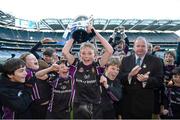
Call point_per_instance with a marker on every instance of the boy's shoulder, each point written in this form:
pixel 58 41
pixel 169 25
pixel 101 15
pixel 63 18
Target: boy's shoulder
pixel 9 86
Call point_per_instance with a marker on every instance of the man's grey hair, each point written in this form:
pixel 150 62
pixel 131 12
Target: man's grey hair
pixel 141 38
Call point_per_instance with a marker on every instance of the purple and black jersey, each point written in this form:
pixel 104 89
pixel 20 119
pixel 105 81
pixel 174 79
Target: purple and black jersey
pixel 61 93
pixel 41 90
pixel 87 86
pixel 61 97
pixel 31 81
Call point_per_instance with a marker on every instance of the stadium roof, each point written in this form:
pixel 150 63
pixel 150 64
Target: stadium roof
pixel 99 23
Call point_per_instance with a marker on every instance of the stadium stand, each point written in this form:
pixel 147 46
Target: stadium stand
pixel 25 34
pixel 24 40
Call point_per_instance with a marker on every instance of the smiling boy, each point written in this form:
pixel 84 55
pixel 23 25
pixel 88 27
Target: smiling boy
pixel 15 96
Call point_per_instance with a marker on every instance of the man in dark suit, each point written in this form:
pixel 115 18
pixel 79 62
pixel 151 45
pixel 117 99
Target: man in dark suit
pixel 140 74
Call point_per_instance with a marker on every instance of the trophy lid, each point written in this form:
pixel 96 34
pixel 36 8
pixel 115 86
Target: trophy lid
pixel 81 18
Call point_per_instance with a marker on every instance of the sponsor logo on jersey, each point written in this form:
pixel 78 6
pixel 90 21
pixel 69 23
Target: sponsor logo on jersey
pixel 81 70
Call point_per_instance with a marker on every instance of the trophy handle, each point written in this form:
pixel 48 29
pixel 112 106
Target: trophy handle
pixel 90 20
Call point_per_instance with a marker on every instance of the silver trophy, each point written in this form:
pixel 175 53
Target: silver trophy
pixel 78 29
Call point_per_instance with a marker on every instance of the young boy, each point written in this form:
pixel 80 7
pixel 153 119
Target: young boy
pixel 41 90
pixel 87 98
pixel 112 89
pixel 62 83
pixel 169 65
pixel 174 96
pixel 15 97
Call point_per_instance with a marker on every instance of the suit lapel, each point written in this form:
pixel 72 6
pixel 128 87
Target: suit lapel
pixel 133 58
pixel 145 64
pixel 144 61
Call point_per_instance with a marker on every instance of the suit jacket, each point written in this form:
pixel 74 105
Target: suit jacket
pixel 138 100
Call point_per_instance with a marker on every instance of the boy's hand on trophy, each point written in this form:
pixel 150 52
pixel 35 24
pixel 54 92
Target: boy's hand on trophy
pixel 91 31
pixel 89 28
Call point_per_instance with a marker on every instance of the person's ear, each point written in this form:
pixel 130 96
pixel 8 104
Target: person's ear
pixel 10 76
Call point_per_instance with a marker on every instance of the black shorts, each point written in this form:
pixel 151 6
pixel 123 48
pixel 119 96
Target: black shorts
pixel 87 111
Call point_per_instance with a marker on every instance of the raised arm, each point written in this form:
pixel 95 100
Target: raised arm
pixel 108 48
pixel 34 49
pixel 66 51
pixel 41 73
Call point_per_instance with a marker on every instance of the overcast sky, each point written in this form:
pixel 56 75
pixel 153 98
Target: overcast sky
pixel 123 9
